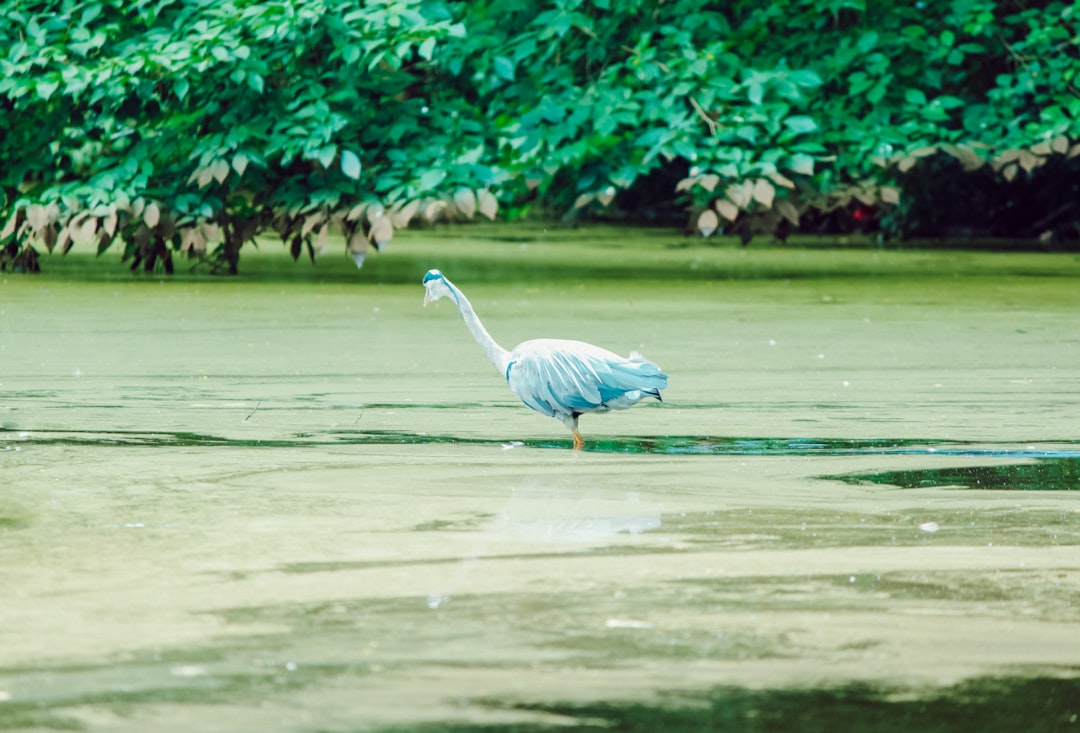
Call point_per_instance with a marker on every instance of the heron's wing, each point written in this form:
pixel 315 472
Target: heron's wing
pixel 561 377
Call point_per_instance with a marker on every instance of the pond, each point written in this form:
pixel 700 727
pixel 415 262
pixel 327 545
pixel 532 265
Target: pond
pixel 297 500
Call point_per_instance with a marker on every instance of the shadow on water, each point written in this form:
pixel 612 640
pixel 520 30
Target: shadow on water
pixel 1047 474
pixel 990 705
pixel 1050 468
pixel 670 445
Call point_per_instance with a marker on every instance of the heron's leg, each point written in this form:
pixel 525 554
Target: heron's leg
pixel 570 421
pixel 579 442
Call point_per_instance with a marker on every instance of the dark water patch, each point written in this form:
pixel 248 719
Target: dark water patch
pixel 673 445
pixel 1044 474
pixel 1042 704
pixel 12 523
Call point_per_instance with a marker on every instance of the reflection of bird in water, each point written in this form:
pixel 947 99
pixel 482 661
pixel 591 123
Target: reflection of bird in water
pixel 560 378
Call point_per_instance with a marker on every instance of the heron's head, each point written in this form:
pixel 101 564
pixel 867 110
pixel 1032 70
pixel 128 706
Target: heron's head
pixel 437 286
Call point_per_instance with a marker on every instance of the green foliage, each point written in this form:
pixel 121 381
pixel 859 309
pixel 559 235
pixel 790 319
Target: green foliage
pixel 181 125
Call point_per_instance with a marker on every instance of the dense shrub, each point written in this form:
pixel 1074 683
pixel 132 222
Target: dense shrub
pixel 190 126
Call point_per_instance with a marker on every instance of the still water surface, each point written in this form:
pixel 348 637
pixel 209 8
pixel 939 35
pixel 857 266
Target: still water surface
pixel 314 506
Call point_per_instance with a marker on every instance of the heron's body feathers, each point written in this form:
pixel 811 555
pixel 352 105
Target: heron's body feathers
pixel 563 378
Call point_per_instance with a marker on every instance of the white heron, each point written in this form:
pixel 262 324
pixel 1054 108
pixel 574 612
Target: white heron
pixel 557 377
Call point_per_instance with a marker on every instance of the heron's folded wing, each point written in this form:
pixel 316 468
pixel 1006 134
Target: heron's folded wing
pixel 572 376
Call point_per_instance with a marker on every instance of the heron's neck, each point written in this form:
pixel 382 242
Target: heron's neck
pixel 495 353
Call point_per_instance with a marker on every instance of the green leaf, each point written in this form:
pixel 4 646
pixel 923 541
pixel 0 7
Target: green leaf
pixel 801 163
pixel 350 164
pixel 948 102
pixel 801 123
pixel 755 92
pixel 868 41
pixel 915 96
pixel 431 179
pixel 45 89
pixel 427 49
pixel 326 155
pixel 806 78
pixel 504 68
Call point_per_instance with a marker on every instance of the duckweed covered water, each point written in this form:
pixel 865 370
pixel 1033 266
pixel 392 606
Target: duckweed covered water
pixel 299 501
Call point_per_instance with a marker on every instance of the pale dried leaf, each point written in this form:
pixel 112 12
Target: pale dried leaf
pixel 402 215
pixel 879 161
pixel 740 194
pixel 137 207
pixel 924 151
pixel 240 163
pixel 75 224
pixel 63 239
pixel 185 238
pixel 206 176
pixel 357 242
pixel 211 232
pixel 220 170
pixel 764 192
pixel 320 239
pixel 9 228
pixel 727 209
pixel 969 158
pixel 781 180
pixel 310 222
pixel 709 182
pixel 433 208
pixel 465 200
pixel 707 222
pixel 1009 156
pixel 787 210
pixel 488 204
pixel 375 212
pixel 1074 151
pixel 37 216
pixel 1029 162
pixel 110 223
pixel 1060 145
pixel 532 183
pixel 151 215
pixel 686 184
pixel 52 211
pixel 356 212
pixel 906 164
pixel 89 228
pixel 866 197
pixel 1042 148
pixel 1010 171
pixel 382 231
pixel 890 194
pixel 583 200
